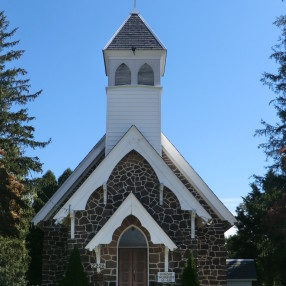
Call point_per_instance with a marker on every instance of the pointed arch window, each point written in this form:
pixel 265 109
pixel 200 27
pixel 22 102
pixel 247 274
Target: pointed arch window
pixel 123 75
pixel 132 238
pixel 146 75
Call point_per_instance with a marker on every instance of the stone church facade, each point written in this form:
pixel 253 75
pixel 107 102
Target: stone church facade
pixel 134 207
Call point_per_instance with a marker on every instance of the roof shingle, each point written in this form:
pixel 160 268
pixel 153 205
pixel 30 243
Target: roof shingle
pixel 134 33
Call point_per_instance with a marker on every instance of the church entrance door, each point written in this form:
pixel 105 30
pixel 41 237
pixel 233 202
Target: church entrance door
pixel 132 259
pixel 132 267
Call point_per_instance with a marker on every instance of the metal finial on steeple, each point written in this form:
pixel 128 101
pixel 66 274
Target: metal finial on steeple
pixel 135 11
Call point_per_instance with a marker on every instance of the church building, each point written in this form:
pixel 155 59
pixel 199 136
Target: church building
pixel 134 207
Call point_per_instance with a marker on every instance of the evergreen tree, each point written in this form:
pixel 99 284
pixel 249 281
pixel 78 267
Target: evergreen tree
pixel 64 176
pixel 34 244
pixel 261 218
pixel 16 134
pixel 75 275
pixel 44 188
pixel 261 225
pixel 275 225
pixel 16 137
pixel 190 275
pixel 14 261
pixel 275 146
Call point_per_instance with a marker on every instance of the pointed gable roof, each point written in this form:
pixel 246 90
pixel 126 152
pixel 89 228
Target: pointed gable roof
pixel 134 33
pixel 195 180
pixel 132 140
pixel 131 206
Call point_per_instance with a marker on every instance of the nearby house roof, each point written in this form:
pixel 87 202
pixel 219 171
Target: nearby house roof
pixel 131 206
pixel 132 140
pixel 241 269
pixel 134 33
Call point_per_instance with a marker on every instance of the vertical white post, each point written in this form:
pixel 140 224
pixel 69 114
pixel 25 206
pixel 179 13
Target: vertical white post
pixel 97 253
pixel 193 225
pixel 161 194
pixel 104 193
pixel 72 216
pixel 166 259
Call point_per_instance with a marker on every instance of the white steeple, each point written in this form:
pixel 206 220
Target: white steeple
pixel 134 63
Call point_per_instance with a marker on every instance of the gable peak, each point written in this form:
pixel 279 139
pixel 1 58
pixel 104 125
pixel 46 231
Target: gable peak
pixel 134 33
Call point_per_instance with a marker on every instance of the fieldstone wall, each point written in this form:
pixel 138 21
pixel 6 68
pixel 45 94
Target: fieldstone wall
pixel 211 252
pixel 134 174
pixel 54 253
pixel 211 259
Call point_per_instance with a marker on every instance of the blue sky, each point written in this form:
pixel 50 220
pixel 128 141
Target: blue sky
pixel 212 100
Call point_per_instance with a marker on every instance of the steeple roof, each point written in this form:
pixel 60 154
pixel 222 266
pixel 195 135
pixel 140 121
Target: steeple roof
pixel 134 33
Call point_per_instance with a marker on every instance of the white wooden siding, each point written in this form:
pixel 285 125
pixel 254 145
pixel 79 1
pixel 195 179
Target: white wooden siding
pixel 139 106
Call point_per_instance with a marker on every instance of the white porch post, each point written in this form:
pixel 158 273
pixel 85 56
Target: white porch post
pixel 104 193
pixel 72 216
pixel 193 226
pixel 97 253
pixel 166 259
pixel 161 194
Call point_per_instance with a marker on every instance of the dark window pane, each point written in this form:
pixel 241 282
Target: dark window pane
pixel 123 75
pixel 146 75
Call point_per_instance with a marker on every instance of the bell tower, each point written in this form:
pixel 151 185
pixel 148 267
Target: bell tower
pixel 134 64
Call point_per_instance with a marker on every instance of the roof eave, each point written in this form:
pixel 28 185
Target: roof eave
pixel 47 210
pixel 196 181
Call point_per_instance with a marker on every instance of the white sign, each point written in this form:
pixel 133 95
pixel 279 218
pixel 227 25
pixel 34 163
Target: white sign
pixel 97 265
pixel 166 277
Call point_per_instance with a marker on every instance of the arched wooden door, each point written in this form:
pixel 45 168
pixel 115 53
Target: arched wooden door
pixel 132 259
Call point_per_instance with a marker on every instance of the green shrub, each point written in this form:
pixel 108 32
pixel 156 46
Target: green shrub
pixel 190 275
pixel 75 275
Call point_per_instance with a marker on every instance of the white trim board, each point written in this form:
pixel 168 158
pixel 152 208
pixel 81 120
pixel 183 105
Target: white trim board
pixel 196 181
pixel 61 193
pixel 132 140
pixel 131 206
